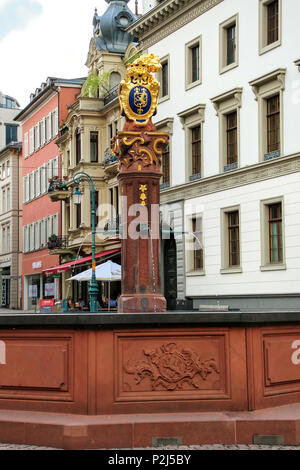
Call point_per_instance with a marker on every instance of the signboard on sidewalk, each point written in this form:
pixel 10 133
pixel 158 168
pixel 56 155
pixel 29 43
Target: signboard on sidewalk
pixel 47 305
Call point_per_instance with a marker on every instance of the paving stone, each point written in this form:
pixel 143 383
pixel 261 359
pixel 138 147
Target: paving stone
pixel 185 448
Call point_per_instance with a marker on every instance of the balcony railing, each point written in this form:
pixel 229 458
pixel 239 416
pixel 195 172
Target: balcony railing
pixel 111 95
pixel 113 226
pixel 57 243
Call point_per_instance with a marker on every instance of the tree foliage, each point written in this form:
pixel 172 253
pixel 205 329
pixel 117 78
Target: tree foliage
pixel 97 85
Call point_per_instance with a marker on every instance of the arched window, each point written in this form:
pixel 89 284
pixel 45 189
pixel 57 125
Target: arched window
pixel 114 79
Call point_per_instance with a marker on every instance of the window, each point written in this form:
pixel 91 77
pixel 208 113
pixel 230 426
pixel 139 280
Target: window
pixel 8 204
pixel 166 125
pixel 273 124
pixel 78 146
pixel 231 138
pixel 26 145
pixel 270 18
pixel 230 240
pixel 198 250
pixel 275 233
pixel 165 72
pixel 268 91
pixel 164 79
pixel 272 22
pixel 165 166
pixel 272 236
pixel 231 44
pixel 229 30
pixel 97 208
pixel 233 238
pixel 194 246
pixel 78 215
pixel 196 150
pixel 94 146
pixel 193 63
pixel 192 120
pixel 228 107
pixel 11 132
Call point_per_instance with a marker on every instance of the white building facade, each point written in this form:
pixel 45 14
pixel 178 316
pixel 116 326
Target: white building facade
pixel 230 99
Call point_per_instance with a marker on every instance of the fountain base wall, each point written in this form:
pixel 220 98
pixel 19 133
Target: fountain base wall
pixel 91 366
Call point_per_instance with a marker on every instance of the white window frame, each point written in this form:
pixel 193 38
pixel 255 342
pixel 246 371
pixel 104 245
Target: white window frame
pixel 223 67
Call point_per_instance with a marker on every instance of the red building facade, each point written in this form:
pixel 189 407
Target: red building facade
pixel 41 161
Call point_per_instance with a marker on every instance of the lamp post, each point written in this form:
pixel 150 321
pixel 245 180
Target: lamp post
pixel 77 195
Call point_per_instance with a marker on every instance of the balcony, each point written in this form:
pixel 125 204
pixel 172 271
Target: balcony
pixel 58 189
pixel 112 227
pixel 58 245
pixel 111 95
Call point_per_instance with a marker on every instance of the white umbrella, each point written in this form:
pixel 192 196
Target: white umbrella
pixel 108 271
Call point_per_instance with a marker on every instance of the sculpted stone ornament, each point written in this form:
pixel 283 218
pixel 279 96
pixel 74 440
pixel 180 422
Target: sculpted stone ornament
pixel 172 368
pixel 139 149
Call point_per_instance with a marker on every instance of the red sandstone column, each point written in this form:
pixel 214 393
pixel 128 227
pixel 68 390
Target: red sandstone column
pixel 139 179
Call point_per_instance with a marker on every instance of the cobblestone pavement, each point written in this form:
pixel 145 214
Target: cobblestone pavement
pixel 186 448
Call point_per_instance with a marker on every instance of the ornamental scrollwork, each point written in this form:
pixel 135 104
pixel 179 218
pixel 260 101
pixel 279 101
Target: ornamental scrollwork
pixel 143 148
pixel 172 368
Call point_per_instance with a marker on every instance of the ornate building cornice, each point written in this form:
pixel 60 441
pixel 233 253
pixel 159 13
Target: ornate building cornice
pixel 168 17
pixel 241 177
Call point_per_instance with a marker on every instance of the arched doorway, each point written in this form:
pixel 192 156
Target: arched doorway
pixel 170 273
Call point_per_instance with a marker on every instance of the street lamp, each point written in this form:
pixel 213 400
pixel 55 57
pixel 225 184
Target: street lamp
pixel 77 196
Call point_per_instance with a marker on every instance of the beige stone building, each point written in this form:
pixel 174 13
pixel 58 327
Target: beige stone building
pixel 84 142
pixel 10 226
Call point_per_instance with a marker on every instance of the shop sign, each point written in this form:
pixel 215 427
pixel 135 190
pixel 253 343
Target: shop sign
pixel 47 305
pixel 37 265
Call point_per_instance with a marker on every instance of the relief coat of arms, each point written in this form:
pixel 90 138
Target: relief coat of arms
pixel 172 368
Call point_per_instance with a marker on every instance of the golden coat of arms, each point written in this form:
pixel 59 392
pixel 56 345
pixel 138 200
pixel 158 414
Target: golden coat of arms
pixel 138 93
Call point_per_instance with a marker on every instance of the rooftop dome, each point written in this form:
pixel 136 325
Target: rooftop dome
pixel 110 28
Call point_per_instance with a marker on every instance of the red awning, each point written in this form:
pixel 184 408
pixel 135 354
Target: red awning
pixel 63 268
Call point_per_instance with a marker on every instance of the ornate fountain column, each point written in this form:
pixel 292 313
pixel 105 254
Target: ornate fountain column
pixel 139 148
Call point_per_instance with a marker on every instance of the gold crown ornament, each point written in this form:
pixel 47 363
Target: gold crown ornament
pixel 138 93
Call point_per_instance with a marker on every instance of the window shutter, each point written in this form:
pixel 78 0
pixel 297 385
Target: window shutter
pixel 43 180
pixel 26 144
pixel 38 135
pixel 31 237
pixel 49 127
pixel 24 239
pixel 56 124
pixel 43 132
pixel 50 169
pixel 24 189
pixel 55 224
pixel 36 236
pixel 55 166
pixel 31 141
pixel 38 182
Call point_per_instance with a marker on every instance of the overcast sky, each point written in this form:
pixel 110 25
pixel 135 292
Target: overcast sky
pixel 44 38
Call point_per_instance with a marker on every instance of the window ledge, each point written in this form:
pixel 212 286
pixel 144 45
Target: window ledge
pixel 196 272
pixel 188 86
pixel 163 99
pixel 164 186
pixel 228 67
pixel 269 47
pixel 231 270
pixel 273 267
